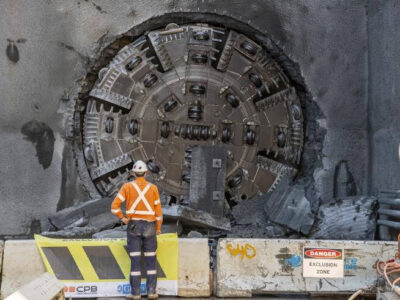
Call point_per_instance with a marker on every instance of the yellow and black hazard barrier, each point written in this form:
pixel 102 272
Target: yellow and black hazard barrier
pixel 104 260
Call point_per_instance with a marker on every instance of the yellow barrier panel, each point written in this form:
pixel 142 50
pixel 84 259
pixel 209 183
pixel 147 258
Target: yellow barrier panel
pixel 100 267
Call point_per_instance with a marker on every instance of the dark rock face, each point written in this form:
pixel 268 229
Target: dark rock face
pixel 350 218
pixel 95 213
pixel 195 218
pixel 287 205
pixel 116 233
pixel 72 233
pixel 42 136
pixel 251 212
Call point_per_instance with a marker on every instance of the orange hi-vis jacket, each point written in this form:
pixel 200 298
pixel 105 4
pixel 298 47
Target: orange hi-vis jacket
pixel 142 202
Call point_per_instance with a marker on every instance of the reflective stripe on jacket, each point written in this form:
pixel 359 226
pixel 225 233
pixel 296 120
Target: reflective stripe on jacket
pixel 142 202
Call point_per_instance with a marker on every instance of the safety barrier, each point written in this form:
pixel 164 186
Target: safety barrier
pixel 256 266
pixel 244 266
pixel 194 268
pixel 23 263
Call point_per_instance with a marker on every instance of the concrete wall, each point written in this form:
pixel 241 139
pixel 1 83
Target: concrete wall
pixel 328 39
pixel 384 89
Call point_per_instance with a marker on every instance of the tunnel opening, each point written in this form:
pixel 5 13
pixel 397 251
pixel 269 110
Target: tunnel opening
pixel 183 81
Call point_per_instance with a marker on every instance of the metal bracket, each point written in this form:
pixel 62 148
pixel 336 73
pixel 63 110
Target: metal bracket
pixel 217 163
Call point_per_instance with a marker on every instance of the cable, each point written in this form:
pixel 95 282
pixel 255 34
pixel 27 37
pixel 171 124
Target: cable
pixel 387 269
pixel 355 295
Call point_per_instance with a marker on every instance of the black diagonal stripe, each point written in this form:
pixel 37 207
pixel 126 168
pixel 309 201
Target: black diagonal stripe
pixel 160 271
pixel 103 262
pixel 62 263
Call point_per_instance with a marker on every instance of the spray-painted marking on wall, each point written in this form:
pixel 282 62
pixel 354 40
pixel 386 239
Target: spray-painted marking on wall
pixel 351 263
pixel 246 250
pixel 294 261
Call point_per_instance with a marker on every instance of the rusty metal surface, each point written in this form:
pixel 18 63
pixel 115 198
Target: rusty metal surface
pixel 176 88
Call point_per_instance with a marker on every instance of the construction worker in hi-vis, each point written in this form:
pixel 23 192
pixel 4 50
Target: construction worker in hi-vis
pixel 144 219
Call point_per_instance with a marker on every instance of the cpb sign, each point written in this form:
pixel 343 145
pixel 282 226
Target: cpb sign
pixel 100 268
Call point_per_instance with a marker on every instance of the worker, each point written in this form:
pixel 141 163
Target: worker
pixel 144 219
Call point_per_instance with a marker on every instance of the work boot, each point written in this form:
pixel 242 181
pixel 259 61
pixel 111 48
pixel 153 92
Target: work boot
pixel 152 296
pixel 136 297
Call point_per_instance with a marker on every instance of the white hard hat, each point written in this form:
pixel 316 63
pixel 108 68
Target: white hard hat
pixel 139 167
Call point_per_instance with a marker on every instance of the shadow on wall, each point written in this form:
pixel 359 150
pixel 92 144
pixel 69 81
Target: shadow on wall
pixel 42 136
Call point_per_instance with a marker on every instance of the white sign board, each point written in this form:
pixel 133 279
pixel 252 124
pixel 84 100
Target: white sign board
pixel 323 263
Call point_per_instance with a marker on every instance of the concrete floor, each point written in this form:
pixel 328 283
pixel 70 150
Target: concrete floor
pixel 259 297
pixel 266 297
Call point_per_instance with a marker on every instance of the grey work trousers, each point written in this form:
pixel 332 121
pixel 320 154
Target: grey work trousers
pixel 142 237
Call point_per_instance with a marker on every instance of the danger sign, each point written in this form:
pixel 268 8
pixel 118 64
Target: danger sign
pixel 323 263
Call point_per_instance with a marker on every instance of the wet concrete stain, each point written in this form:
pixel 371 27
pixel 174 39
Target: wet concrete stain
pixel 42 136
pixel 66 194
pixel 12 51
pixel 99 8
pixel 283 259
pixel 84 58
pixel 34 228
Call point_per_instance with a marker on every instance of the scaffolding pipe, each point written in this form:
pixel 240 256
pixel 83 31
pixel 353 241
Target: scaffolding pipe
pixel 391 224
pixel 389 212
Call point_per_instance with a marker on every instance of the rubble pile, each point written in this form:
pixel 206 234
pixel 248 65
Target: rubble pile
pixel 351 218
pixel 94 219
pixel 283 212
pixel 288 206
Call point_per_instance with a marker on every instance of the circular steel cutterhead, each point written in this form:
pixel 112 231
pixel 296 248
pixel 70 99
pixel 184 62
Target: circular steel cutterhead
pixel 187 86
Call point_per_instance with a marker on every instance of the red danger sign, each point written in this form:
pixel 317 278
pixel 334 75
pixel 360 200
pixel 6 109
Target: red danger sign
pixel 323 263
pixel 321 253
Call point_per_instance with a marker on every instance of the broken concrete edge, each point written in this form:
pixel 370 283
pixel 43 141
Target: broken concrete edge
pixel 75 233
pixel 194 217
pixel 86 212
pixel 347 218
pixel 86 219
pixel 288 206
pixel 193 281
